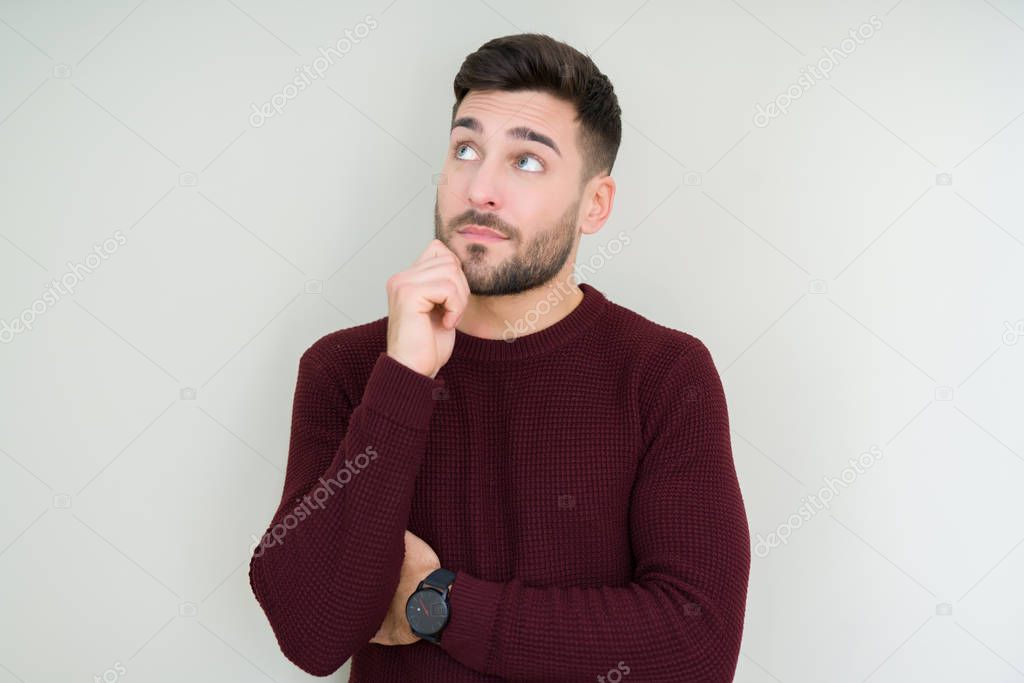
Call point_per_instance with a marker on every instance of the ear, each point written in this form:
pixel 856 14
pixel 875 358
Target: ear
pixel 598 197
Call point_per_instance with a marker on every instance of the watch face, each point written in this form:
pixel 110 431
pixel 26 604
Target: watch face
pixel 426 611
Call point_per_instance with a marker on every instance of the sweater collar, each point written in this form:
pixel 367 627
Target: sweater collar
pixel 526 343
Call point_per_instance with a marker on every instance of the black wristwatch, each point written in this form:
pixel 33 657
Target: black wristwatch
pixel 427 609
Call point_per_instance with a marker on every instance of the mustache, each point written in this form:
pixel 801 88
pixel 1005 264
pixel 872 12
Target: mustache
pixel 486 220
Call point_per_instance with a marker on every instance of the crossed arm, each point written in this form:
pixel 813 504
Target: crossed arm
pixel 679 619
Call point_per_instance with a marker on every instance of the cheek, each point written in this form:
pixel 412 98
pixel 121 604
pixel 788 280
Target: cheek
pixel 451 191
pixel 453 194
pixel 532 207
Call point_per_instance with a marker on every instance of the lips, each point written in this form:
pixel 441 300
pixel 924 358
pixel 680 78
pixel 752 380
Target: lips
pixel 482 231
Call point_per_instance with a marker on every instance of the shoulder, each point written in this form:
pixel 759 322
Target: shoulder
pixel 356 340
pixel 673 379
pixel 348 355
pixel 657 350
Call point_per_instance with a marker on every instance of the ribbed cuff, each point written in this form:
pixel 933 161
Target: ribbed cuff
pixel 469 635
pixel 401 393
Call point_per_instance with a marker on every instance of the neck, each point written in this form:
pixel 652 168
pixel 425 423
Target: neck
pixel 498 317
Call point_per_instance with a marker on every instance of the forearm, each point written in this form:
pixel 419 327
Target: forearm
pixel 662 629
pixel 681 617
pixel 329 564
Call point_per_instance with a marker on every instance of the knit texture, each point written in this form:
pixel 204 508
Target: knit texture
pixel 579 480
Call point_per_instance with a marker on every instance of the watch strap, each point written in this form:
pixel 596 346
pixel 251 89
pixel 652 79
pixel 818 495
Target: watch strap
pixel 441 580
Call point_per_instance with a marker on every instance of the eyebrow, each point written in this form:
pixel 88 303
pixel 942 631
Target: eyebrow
pixel 518 133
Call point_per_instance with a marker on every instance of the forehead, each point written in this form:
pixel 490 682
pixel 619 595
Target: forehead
pixel 499 109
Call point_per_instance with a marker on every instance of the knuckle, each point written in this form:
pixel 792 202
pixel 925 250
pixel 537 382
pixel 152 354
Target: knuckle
pixel 397 287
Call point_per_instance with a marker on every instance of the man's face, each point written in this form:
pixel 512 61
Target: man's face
pixel 502 172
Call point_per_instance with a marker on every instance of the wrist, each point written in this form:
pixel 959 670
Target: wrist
pixel 427 610
pixel 398 359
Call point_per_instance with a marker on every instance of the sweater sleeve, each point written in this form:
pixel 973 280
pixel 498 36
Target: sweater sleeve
pixel 681 617
pixel 330 561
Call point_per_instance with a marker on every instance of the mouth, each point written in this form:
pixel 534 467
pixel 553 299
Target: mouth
pixel 478 233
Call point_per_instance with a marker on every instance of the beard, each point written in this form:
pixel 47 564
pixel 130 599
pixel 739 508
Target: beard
pixel 532 266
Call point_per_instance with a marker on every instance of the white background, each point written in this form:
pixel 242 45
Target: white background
pixel 852 297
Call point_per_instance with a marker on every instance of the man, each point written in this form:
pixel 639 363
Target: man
pixel 510 476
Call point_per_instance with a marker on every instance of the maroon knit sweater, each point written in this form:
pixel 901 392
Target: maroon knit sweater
pixel 579 480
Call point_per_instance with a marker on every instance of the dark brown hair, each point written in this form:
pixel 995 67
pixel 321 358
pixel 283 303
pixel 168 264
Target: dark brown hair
pixel 534 61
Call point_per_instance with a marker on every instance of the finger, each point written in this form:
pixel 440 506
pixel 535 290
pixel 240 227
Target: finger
pixel 415 273
pixel 453 268
pixel 439 291
pixel 456 298
pixel 448 258
pixel 456 306
pixel 435 248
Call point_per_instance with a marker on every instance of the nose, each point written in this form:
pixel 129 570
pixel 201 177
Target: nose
pixel 484 191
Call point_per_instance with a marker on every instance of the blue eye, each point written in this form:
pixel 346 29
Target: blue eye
pixel 540 166
pixel 536 168
pixel 458 147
